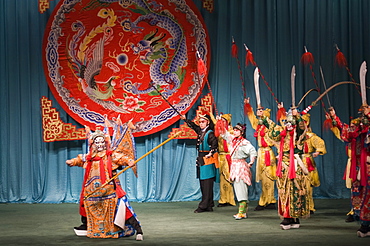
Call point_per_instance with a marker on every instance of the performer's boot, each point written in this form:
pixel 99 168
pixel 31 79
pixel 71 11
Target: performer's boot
pixel 84 224
pixel 294 224
pixel 82 229
pixel 242 213
pixel 364 231
pixel 350 217
pixel 139 232
pixel 286 223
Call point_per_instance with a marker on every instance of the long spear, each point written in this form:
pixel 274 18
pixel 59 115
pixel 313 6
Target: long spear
pixel 202 70
pixel 249 59
pixel 341 60
pixel 166 100
pixel 307 59
pixel 234 53
pixel 126 168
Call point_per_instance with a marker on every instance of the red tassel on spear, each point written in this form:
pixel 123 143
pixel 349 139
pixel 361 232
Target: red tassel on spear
pixel 202 72
pixel 234 49
pixel 234 53
pixel 249 59
pixel 341 60
pixel 307 59
pixel 328 124
pixel 202 69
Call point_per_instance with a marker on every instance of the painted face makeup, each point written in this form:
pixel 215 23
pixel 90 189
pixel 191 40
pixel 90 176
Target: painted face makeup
pixel 99 143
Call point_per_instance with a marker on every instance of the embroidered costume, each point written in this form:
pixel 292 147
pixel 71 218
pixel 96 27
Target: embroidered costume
pixel 105 205
pixel 313 146
pixel 357 137
pixel 266 161
pixel 207 163
pixel 240 173
pixel 226 189
pixel 293 202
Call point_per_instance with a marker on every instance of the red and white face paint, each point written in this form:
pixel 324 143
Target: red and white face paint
pixel 99 143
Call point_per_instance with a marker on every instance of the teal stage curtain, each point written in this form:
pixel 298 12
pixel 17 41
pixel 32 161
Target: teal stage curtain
pixel 276 31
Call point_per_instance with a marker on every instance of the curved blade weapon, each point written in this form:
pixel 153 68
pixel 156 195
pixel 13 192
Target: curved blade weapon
pixel 256 87
pixel 363 71
pixel 292 85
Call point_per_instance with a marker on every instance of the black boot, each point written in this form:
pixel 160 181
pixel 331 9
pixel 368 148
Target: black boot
pixel 139 232
pixel 350 218
pixel 364 231
pixel 82 227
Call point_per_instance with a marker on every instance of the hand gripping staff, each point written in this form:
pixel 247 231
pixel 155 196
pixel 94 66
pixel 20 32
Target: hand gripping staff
pixel 122 171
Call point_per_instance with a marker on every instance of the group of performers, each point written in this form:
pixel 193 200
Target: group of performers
pixel 225 156
pixel 293 169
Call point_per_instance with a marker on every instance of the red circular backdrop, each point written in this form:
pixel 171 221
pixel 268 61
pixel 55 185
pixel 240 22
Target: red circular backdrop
pixel 125 58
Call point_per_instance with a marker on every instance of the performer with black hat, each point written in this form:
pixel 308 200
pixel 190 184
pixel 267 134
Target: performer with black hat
pixel 206 163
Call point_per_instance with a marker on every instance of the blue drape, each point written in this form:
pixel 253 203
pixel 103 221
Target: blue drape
pixel 276 31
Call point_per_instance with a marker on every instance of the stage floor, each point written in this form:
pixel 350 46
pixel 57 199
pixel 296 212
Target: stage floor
pixel 175 223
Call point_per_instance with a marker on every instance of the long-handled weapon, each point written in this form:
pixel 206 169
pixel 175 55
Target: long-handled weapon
pixel 155 88
pixel 307 59
pixel 128 167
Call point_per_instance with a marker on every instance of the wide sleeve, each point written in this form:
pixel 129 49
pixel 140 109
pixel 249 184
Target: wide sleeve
pixel 318 144
pixel 246 150
pixel 78 161
pixel 252 119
